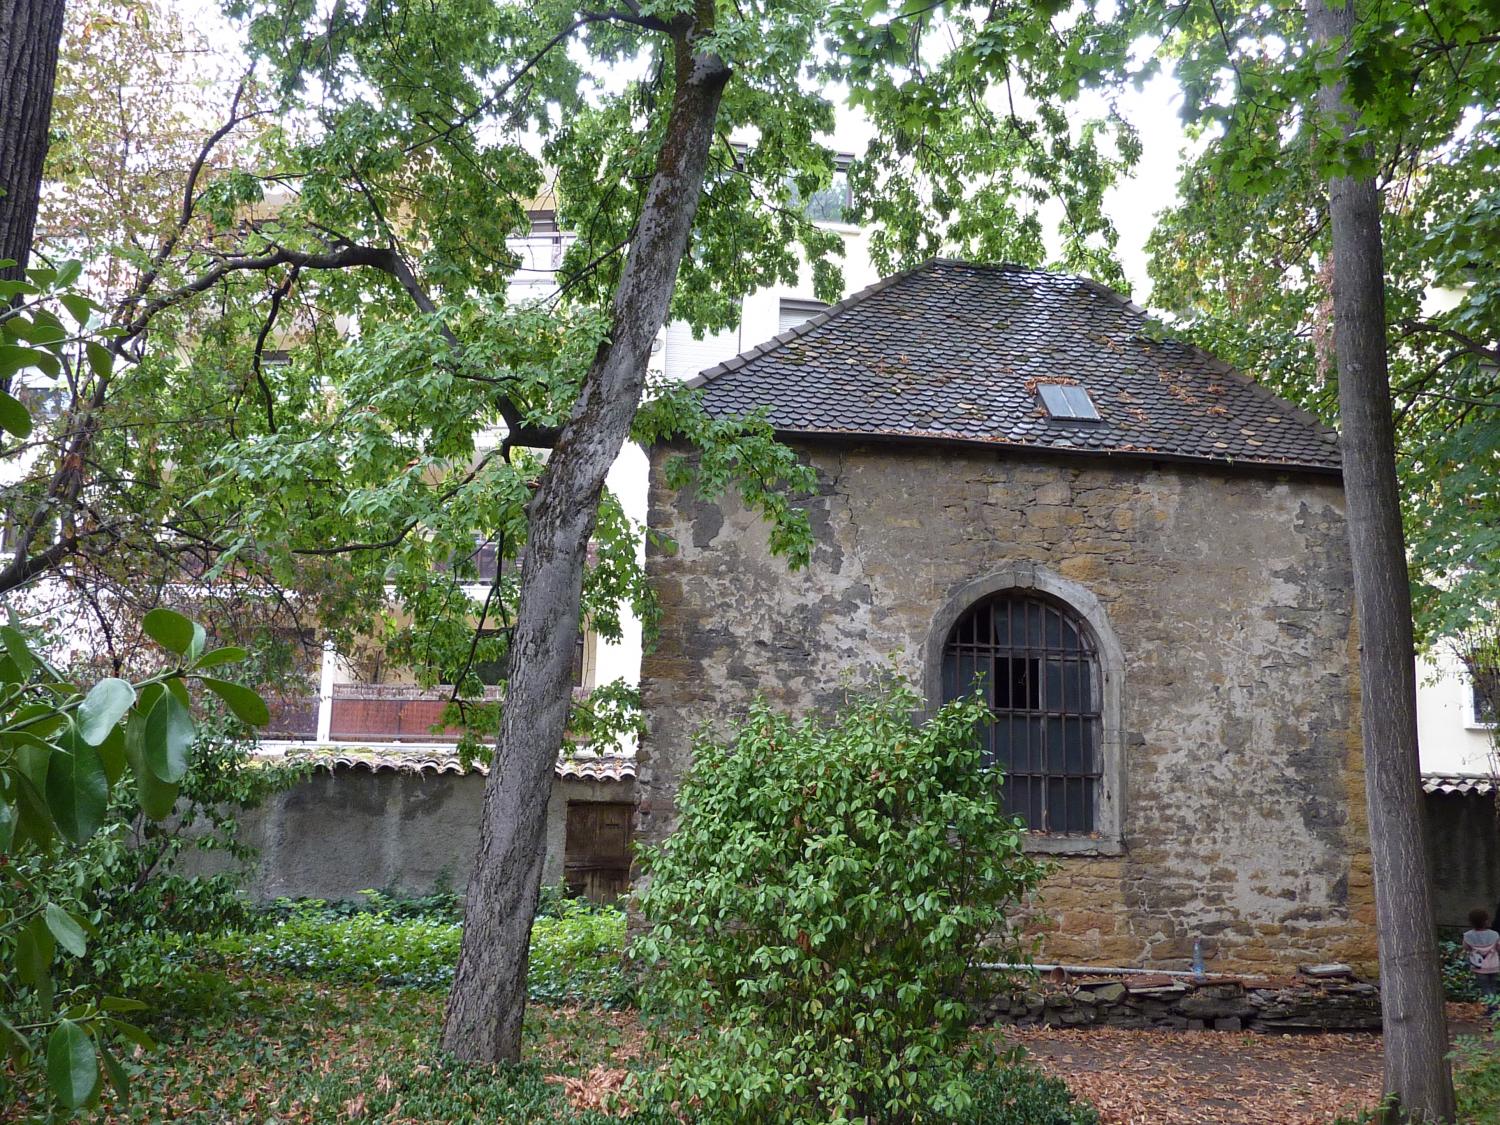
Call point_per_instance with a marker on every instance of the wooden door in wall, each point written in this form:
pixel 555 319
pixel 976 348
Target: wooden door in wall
pixel 596 852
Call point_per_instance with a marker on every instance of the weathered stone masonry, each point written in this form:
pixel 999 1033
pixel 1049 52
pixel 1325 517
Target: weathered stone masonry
pixel 1227 590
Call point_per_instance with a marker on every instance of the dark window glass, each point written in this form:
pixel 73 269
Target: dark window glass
pixel 829 204
pixel 1481 708
pixel 1036 665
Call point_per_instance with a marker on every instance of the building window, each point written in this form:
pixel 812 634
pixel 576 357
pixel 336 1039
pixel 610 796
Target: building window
pixel 1038 669
pixel 1481 710
pixel 492 672
pixel 794 312
pixel 832 203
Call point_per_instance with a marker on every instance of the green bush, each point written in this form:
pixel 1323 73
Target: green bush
pixel 1023 1095
pixel 576 952
pixel 575 948
pixel 817 913
pixel 1458 977
pixel 1476 1077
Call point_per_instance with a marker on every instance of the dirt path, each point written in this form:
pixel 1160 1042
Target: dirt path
pixel 1215 1077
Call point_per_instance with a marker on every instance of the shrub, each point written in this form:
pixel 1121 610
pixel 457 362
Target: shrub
pixel 1023 1095
pixel 314 941
pixel 1476 1077
pixel 1458 977
pixel 818 910
pixel 575 948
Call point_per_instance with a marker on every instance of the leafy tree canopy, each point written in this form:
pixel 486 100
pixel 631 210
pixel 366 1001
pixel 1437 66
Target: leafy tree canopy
pixel 1244 260
pixel 314 324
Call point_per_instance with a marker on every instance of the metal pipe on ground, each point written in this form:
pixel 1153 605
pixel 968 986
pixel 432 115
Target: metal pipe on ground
pixel 1115 970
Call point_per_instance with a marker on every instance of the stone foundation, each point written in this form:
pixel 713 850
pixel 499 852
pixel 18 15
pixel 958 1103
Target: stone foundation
pixel 1182 1003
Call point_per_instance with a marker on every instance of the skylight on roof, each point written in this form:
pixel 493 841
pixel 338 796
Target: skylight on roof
pixel 1067 402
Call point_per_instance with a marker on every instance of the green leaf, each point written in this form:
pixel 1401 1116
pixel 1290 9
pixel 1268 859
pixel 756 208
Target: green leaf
pixel 34 821
pixel 157 798
pixel 79 307
pixel 16 1045
pixel 168 734
pixel 20 652
pixel 69 933
pixel 14 357
pixel 169 629
pixel 229 654
pixel 14 417
pixel 72 1064
pixel 105 706
pixel 101 359
pixel 117 1076
pixel 34 948
pixel 248 707
pixel 77 791
pixel 68 272
pixel 133 1033
pixel 122 1004
pixel 112 754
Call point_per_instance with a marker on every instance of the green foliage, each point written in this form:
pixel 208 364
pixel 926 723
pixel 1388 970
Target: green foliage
pixel 817 912
pixel 576 952
pixel 1243 261
pixel 37 345
pixel 259 1050
pixel 63 753
pixel 363 946
pixel 1458 976
pixel 1021 1094
pixel 1476 1077
pixel 575 946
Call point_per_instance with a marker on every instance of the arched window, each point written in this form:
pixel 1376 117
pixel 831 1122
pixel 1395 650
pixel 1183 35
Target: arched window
pixel 1038 667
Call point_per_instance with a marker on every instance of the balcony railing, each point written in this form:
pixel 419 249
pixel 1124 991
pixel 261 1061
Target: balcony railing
pixel 391 713
pixel 367 713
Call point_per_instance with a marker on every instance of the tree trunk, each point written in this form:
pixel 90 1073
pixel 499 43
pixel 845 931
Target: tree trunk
pixel 30 31
pixel 487 1003
pixel 1416 1038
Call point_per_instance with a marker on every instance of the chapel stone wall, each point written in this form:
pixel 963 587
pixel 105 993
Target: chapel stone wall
pixel 1229 593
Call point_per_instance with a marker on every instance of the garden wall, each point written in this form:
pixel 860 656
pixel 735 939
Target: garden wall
pixel 1463 843
pixel 350 828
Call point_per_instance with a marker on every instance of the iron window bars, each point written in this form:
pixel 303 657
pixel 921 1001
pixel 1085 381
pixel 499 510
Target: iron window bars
pixel 1036 666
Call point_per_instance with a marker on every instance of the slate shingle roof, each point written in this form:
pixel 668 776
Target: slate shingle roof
pixel 953 351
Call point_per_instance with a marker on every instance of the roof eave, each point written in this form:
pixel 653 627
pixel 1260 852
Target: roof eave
pixel 859 437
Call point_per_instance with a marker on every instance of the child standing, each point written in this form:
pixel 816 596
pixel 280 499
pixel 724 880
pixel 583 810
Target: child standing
pixel 1482 944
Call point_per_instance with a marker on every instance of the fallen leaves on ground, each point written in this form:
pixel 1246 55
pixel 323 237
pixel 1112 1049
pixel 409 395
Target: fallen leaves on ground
pixel 599 1089
pixel 1210 1077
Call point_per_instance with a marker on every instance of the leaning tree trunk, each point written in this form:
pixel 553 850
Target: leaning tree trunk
pixel 1416 1039
pixel 30 31
pixel 486 1005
